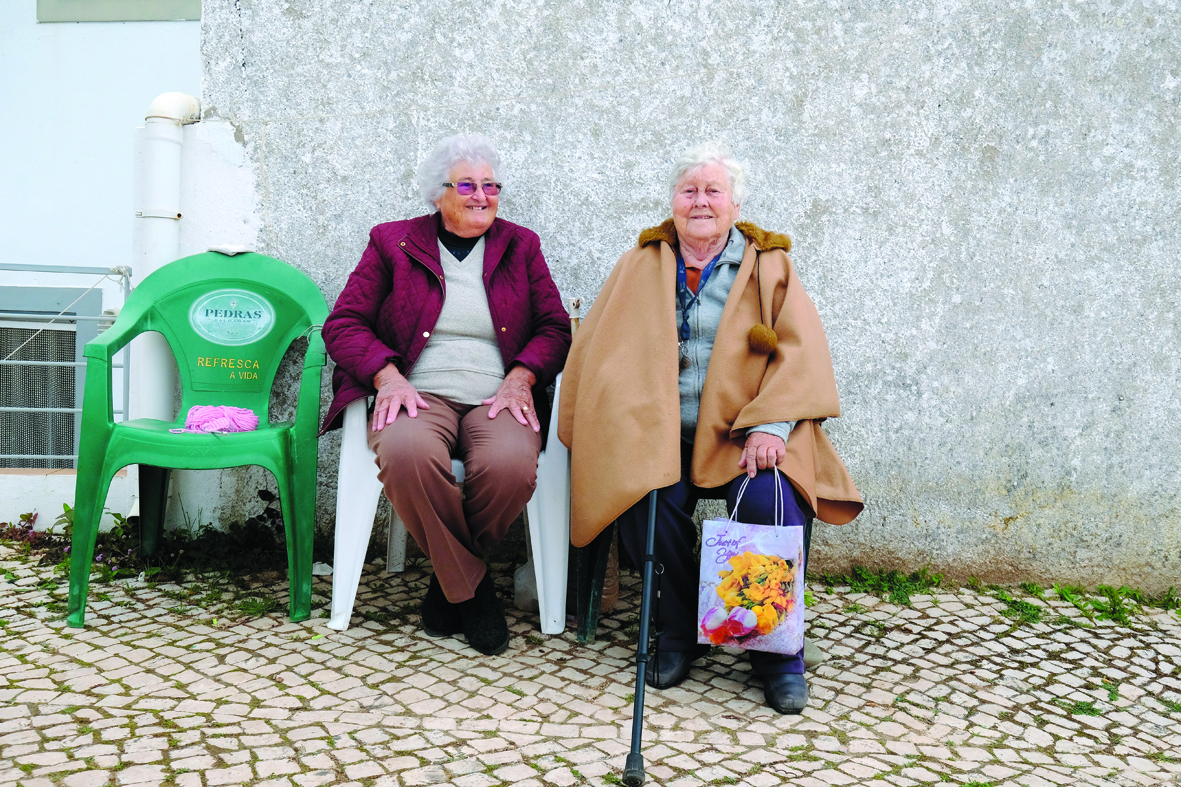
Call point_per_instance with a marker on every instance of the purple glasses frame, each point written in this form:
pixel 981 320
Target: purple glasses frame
pixel 466 188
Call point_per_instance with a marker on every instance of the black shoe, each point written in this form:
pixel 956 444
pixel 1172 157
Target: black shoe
pixel 786 693
pixel 670 667
pixel 440 618
pixel 483 620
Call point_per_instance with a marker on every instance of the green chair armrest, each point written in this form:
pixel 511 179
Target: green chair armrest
pixel 112 340
pixel 97 406
pixel 316 354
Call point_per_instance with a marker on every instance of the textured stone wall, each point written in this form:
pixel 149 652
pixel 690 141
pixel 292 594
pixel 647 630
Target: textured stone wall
pixel 982 196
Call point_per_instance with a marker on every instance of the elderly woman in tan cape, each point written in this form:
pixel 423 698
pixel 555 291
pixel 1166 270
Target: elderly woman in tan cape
pixel 702 360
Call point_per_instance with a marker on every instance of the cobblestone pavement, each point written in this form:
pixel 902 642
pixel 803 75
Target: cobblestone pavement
pixel 162 689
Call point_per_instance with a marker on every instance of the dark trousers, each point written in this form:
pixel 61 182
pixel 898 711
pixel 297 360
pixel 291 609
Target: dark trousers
pixel 678 568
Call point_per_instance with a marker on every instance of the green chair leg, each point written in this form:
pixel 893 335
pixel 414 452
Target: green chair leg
pixel 590 571
pixel 91 494
pixel 153 498
pixel 297 499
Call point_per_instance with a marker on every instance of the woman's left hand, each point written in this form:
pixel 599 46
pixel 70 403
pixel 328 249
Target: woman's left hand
pixel 762 452
pixel 515 394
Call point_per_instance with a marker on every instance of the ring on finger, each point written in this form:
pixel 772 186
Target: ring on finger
pixel 525 408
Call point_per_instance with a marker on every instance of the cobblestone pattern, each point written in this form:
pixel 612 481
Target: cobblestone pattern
pixel 946 691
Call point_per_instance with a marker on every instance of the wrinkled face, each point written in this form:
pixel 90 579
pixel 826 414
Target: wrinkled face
pixel 703 204
pixel 470 216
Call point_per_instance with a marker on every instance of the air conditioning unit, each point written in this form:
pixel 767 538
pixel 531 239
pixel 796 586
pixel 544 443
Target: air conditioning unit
pixel 42 373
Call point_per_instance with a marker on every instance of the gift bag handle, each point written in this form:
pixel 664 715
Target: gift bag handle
pixel 778 499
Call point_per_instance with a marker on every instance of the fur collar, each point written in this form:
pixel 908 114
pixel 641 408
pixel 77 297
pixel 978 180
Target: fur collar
pixel 762 239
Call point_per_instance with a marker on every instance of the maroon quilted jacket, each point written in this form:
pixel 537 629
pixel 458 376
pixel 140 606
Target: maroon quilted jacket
pixel 390 305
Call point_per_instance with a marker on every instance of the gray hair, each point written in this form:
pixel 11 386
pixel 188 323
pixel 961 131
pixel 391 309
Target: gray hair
pixel 434 171
pixel 709 153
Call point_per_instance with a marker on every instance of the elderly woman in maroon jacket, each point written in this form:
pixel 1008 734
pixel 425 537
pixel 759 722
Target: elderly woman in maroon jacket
pixel 452 322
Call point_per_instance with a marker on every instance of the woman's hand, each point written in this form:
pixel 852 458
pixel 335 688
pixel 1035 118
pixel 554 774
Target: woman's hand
pixel 762 452
pixel 393 393
pixel 515 394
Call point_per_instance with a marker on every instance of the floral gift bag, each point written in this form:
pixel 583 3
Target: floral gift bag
pixel 751 593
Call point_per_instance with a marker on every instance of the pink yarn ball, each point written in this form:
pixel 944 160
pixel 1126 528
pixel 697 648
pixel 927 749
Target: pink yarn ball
pixel 220 418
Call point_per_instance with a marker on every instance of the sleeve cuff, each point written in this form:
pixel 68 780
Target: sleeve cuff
pixel 780 429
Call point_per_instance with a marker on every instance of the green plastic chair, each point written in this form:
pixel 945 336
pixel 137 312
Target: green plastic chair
pixel 229 321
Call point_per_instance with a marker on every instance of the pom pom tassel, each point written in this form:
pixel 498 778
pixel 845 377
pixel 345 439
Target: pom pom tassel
pixel 762 339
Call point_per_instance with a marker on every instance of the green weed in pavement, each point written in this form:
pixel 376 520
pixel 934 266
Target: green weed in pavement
pixel 1116 604
pixel 1081 708
pixel 1032 588
pixel 1023 611
pixel 892 585
pixel 257 606
pixel 872 628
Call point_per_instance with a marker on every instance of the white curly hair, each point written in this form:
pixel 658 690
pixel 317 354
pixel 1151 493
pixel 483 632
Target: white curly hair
pixel 709 153
pixel 435 169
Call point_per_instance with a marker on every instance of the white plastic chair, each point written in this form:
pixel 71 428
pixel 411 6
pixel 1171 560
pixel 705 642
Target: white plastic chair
pixel 547 515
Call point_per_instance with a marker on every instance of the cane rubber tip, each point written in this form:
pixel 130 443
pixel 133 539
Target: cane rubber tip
pixel 633 770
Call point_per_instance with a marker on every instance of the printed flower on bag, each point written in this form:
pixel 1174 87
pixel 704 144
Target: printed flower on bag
pixel 758 593
pixel 720 626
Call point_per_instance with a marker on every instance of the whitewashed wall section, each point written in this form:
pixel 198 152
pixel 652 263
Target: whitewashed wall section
pixel 983 198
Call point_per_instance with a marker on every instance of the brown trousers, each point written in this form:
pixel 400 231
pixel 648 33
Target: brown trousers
pixel 414 465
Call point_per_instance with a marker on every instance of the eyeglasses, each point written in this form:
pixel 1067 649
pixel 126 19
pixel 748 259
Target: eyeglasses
pixel 466 188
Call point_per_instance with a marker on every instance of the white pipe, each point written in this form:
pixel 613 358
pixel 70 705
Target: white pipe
pixel 159 229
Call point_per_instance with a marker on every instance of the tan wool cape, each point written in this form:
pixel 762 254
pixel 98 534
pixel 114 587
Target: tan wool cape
pixel 620 411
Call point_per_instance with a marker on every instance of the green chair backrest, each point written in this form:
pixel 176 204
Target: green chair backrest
pixel 228 320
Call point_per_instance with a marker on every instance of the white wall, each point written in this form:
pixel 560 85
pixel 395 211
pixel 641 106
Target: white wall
pixel 71 97
pixel 983 198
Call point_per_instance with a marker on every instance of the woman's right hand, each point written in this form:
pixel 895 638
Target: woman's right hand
pixel 393 393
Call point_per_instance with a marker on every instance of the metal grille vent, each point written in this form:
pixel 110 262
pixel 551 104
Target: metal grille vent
pixel 37 386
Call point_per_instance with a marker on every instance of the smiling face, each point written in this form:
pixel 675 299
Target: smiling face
pixel 471 216
pixel 703 205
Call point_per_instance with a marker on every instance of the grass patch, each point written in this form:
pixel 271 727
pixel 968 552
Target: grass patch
pixel 1171 706
pixel 257 606
pixel 1116 604
pixel 1022 611
pixel 891 585
pixel 1081 708
pixel 872 628
pixel 1033 589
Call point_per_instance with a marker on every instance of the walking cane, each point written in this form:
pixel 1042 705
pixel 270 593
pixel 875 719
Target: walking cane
pixel 633 769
